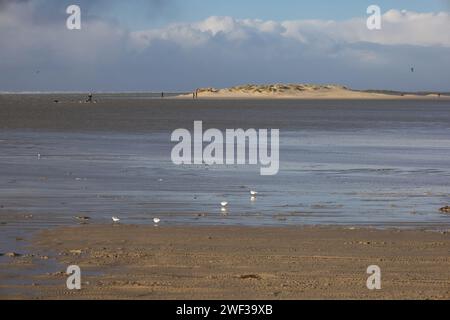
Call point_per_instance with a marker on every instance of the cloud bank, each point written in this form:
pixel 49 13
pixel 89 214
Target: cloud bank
pixel 40 54
pixel 399 28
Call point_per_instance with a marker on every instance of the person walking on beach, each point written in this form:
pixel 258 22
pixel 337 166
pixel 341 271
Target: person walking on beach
pixel 162 95
pixel 89 99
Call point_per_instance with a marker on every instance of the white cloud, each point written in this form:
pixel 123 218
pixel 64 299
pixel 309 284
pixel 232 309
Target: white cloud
pixel 399 28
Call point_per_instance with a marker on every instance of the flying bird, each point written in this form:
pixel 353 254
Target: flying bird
pixel 224 204
pixel 156 221
pixel 253 193
pixel 115 219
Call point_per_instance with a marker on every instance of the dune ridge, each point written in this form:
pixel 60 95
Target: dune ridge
pixel 301 91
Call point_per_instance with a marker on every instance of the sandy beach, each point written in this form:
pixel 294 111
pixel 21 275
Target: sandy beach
pixel 304 92
pixel 147 262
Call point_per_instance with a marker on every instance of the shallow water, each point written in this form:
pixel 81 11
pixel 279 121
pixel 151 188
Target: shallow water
pixel 343 163
pixel 355 163
pixel 378 163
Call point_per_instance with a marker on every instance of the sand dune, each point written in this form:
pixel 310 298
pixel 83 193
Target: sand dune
pixel 299 91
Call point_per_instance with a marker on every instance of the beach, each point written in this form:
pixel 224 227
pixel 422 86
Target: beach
pixel 226 263
pixel 361 183
pixel 306 91
pixel 188 151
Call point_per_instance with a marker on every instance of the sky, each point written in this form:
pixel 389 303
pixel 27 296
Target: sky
pixel 179 45
pixel 194 10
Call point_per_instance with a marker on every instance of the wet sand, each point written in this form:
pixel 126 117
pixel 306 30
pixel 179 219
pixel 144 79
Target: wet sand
pixel 120 113
pixel 368 163
pixel 147 262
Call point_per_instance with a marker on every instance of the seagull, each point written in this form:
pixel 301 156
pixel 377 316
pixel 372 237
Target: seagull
pixel 39 156
pixel 224 204
pixel 253 193
pixel 115 219
pixel 156 221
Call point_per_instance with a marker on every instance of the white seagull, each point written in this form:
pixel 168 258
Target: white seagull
pixel 156 220
pixel 224 204
pixel 253 193
pixel 115 219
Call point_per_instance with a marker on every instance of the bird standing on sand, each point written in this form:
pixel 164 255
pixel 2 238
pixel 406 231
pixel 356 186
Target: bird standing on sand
pixel 156 221
pixel 253 193
pixel 445 209
pixel 115 219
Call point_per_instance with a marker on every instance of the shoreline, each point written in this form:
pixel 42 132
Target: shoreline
pixel 306 92
pixel 177 262
pixel 385 97
pixel 380 97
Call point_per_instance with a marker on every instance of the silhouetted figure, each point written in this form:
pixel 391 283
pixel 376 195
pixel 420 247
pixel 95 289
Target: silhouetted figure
pixel 162 95
pixel 89 99
pixel 412 70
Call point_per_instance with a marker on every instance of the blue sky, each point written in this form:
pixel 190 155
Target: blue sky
pixel 131 14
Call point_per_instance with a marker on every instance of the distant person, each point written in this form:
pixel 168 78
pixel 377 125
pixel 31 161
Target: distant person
pixel 162 95
pixel 89 99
